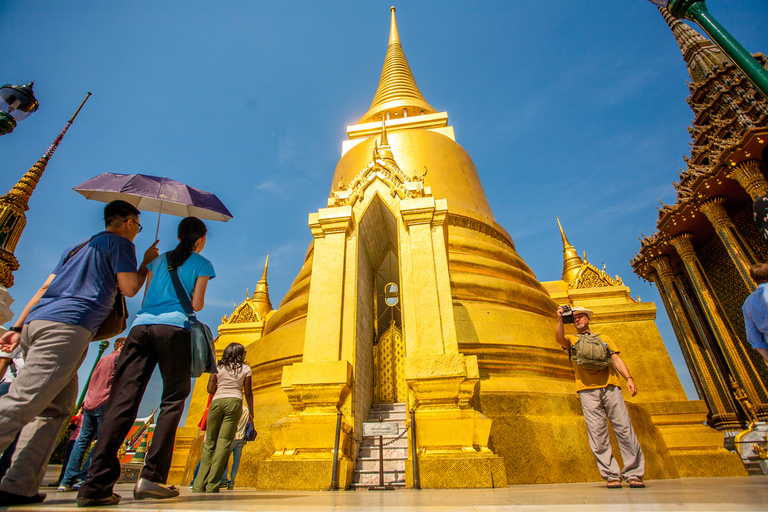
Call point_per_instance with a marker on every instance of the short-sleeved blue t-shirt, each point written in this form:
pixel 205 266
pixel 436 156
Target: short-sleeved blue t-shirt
pixel 83 291
pixel 161 305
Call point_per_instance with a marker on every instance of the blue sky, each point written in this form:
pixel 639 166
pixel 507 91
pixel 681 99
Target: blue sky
pixel 575 109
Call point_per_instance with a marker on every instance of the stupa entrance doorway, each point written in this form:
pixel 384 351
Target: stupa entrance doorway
pixel 389 344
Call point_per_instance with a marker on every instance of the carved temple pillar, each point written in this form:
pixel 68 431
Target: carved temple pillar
pixel 711 385
pixel 750 178
pixel 318 386
pixel 442 382
pixel 740 366
pixel 717 215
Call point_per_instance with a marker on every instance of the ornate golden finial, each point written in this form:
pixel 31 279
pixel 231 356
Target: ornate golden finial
pixel 16 202
pixel 397 95
pixel 384 151
pixel 261 295
pixel 571 261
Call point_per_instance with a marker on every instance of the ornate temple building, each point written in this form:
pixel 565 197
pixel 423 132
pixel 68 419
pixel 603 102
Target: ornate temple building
pixel 700 253
pixel 411 293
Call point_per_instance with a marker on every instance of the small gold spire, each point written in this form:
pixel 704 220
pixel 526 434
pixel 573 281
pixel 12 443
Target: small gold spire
pixel 261 295
pixel 384 150
pixel 397 92
pixel 571 261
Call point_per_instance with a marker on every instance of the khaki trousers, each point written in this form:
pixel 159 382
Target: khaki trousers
pixel 40 400
pixel 599 406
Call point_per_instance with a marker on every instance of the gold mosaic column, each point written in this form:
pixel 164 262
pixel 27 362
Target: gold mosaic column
pixel 750 178
pixel 318 386
pixel 717 215
pixel 712 386
pixel 740 366
pixel 452 437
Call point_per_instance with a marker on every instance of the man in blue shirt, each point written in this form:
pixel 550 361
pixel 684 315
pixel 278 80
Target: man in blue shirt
pixel 54 331
pixel 755 310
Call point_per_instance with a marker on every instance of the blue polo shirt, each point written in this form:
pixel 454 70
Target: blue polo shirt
pixel 755 310
pixel 161 305
pixel 83 291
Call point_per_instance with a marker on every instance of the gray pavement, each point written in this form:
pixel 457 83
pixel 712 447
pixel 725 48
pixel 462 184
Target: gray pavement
pixel 686 494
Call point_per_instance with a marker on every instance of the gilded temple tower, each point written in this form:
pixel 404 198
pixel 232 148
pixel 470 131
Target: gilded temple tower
pixel 412 293
pixel 699 258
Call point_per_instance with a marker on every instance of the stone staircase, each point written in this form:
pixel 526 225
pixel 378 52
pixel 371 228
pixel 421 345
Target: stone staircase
pixel 366 474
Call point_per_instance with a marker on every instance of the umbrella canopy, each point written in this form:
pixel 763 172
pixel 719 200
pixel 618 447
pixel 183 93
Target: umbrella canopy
pixel 155 194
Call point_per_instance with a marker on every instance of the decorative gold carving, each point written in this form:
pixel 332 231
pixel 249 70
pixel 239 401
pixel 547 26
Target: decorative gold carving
pixel 255 308
pixel 480 227
pixel 750 178
pixel 743 399
pixel 588 276
pixel 384 168
pixel 388 355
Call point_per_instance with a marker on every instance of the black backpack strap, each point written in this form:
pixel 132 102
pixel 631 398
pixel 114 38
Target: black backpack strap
pixel 181 293
pixel 77 249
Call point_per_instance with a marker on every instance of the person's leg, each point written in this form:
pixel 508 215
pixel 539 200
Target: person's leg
pixel 224 480
pixel 134 368
pixel 5 460
pixel 40 400
pixel 631 453
pixel 87 434
pixel 237 450
pixel 98 415
pixel 67 453
pixel 174 361
pixel 233 408
pixel 597 430
pixel 215 417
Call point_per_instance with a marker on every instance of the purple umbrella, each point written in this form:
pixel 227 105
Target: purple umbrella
pixel 154 194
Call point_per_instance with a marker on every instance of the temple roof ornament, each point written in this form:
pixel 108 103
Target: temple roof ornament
pixel 384 168
pixel 255 308
pixel 701 55
pixel 13 205
pixel 397 94
pixel 578 272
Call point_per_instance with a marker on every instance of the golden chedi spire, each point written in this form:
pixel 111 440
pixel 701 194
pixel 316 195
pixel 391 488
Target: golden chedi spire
pixel 16 202
pixel 398 95
pixel 571 261
pixel 261 295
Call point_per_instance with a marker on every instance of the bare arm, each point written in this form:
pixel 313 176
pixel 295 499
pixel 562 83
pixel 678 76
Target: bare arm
pixel 621 367
pixel 198 294
pixel 131 282
pixel 213 383
pixel 560 330
pixel 10 340
pixel 3 366
pixel 763 352
pixel 248 392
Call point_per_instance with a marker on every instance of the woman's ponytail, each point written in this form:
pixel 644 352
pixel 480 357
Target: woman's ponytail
pixel 191 229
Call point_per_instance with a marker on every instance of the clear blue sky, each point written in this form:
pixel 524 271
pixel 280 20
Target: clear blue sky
pixel 576 109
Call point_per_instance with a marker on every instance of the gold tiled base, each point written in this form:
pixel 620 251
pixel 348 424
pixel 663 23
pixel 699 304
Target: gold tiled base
pixel 459 472
pixel 302 474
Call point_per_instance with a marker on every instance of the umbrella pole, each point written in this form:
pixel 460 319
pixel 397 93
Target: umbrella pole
pixel 157 231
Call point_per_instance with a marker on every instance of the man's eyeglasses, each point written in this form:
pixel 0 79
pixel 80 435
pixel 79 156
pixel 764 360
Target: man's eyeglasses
pixel 137 223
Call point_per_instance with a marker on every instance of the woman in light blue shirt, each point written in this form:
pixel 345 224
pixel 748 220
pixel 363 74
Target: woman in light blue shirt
pixel 159 337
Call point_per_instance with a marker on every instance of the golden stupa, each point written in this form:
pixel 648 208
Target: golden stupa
pixel 408 251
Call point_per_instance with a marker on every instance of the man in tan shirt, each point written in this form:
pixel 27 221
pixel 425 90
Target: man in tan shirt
pixel 601 400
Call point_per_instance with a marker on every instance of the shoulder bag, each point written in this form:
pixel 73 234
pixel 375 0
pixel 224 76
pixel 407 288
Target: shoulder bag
pixel 117 320
pixel 200 336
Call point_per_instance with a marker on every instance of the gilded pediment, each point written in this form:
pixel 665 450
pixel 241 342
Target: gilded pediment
pixel 590 276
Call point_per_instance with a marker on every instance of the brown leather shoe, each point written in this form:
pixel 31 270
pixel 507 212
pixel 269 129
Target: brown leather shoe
pixel 8 499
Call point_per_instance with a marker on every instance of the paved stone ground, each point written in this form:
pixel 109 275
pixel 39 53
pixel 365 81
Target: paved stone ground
pixel 686 494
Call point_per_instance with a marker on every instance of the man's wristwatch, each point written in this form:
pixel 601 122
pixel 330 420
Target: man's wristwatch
pixel 15 329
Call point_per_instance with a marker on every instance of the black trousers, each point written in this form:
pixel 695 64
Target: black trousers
pixel 147 346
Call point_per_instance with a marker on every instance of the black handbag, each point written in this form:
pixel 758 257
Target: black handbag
pixel 117 320
pixel 200 335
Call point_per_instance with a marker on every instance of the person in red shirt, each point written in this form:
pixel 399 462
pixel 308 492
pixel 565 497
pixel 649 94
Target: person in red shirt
pixel 93 416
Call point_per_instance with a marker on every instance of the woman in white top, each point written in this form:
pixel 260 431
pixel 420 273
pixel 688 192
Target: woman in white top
pixel 228 387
